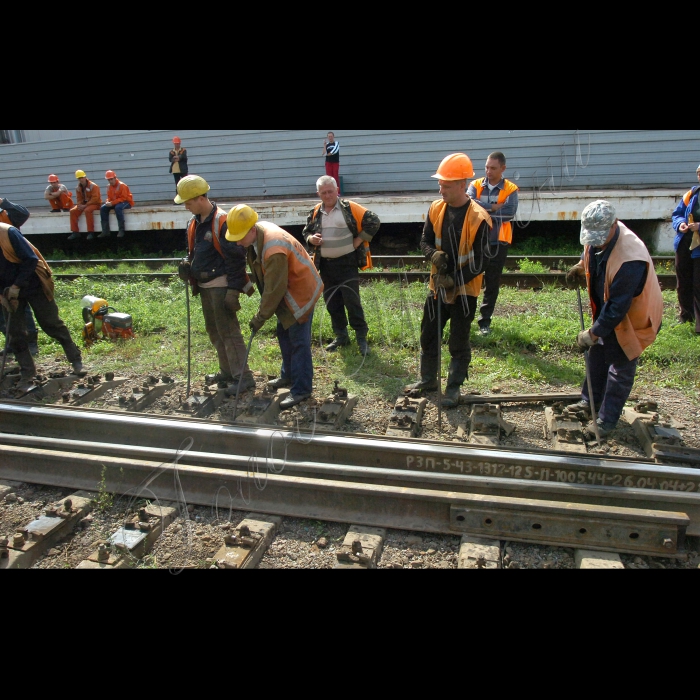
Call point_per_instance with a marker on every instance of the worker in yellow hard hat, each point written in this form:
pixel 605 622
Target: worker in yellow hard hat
pixel 455 239
pixel 290 287
pixel 216 269
pixel 89 201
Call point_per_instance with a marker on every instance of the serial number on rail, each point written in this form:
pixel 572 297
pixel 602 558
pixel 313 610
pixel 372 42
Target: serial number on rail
pixel 559 476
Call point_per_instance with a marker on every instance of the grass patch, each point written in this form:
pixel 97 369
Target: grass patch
pixel 533 344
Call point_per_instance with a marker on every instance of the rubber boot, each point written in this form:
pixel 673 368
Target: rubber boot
pixel 122 232
pixel 106 233
pixel 26 363
pixel 428 381
pixel 363 345
pixel 33 343
pixel 459 372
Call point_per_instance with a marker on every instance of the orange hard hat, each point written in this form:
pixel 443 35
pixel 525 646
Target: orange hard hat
pixel 458 166
pixel 110 174
pixel 53 178
pixel 177 140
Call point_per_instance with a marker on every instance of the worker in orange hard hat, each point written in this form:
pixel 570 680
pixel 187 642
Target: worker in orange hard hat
pixel 119 199
pixel 58 196
pixel 89 199
pixel 178 161
pixel 455 239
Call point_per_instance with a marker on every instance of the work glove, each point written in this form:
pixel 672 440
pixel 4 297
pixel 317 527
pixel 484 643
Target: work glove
pixel 256 324
pixel 12 296
pixel 232 302
pixel 5 303
pixel 441 260
pixel 576 277
pixel 444 282
pixel 184 270
pixel 585 341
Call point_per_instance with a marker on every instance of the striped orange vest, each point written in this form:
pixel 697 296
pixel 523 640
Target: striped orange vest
pixel 476 216
pixel 508 189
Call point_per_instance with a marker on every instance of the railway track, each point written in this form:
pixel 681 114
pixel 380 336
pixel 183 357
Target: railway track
pixel 414 269
pixel 369 484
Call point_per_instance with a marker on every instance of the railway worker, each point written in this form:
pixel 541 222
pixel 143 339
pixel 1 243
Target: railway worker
pixel 686 222
pixel 16 215
pixel 216 269
pixel 89 201
pixel 178 161
pixel 627 308
pixel 500 199
pixel 455 239
pixel 119 199
pixel 290 287
pixel 331 151
pixel 341 231
pixel 27 280
pixel 58 196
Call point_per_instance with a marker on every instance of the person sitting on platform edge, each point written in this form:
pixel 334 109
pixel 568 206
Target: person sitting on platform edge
pixel 216 269
pixel 58 196
pixel 628 308
pixel 341 231
pixel 119 199
pixel 89 201
pixel 455 240
pixel 500 199
pixel 290 287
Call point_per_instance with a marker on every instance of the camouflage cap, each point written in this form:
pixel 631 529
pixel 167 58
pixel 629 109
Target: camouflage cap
pixel 596 221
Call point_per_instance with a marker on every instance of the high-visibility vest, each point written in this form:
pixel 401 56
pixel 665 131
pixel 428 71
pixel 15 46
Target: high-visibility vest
pixel 305 286
pixel 358 213
pixel 217 225
pixel 509 189
pixel 43 271
pixel 640 328
pixel 475 218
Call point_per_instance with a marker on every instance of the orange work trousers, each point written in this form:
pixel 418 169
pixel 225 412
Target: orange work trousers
pixel 89 212
pixel 65 201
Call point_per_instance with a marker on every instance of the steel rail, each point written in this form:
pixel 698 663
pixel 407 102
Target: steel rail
pixel 547 475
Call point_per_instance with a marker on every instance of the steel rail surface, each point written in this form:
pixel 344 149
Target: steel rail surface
pixel 548 475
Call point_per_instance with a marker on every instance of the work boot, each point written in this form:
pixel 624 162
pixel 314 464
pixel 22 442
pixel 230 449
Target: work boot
pixel 428 381
pixel 341 341
pixel 91 236
pixel 364 347
pixel 106 233
pixel 26 364
pixel 122 232
pixel 241 385
pixel 75 236
pixel 78 368
pixel 459 373
pixel 605 430
pixel 279 383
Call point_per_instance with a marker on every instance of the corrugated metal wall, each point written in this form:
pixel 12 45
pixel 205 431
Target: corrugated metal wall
pixel 249 164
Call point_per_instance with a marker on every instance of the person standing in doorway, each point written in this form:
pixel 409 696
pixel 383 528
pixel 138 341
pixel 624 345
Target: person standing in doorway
pixel 686 222
pixel 500 199
pixel 178 161
pixel 331 150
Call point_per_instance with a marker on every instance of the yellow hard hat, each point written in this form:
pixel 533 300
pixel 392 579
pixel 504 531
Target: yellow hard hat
pixel 79 174
pixel 190 187
pixel 240 220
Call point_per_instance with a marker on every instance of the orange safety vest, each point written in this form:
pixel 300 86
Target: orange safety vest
pixel 305 286
pixel 476 216
pixel 358 213
pixel 508 190
pixel 641 326
pixel 43 271
pixel 217 225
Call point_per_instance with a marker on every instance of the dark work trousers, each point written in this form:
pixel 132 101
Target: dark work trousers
pixel 225 334
pixel 612 376
pixel 460 316
pixel 49 321
pixel 688 274
pixel 492 276
pixel 297 360
pixel 178 177
pixel 31 325
pixel 341 278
